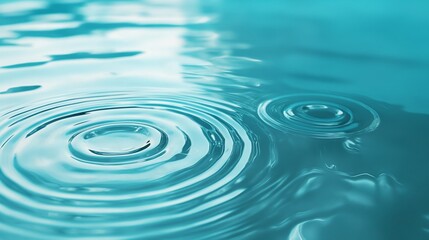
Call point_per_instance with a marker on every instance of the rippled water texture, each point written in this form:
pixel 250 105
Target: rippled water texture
pixel 319 116
pixel 214 119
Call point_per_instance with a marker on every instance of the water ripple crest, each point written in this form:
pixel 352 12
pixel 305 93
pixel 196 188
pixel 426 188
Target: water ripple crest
pixel 122 165
pixel 319 115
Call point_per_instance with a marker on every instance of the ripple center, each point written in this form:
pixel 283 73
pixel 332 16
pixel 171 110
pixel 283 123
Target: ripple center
pixel 318 115
pixel 117 140
pixel 114 141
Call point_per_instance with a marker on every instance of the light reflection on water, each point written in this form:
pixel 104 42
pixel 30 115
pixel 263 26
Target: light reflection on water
pixel 213 120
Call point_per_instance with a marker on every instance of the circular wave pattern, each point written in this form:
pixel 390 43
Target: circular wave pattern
pixel 319 116
pixel 117 143
pixel 122 166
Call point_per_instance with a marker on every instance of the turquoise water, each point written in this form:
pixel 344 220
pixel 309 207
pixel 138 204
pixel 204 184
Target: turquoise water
pixel 229 119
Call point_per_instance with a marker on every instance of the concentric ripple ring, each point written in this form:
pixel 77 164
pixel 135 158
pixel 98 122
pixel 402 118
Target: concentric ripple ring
pixel 121 164
pixel 318 115
pixel 116 143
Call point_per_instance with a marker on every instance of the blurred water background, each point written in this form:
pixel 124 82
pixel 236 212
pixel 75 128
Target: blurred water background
pixel 228 119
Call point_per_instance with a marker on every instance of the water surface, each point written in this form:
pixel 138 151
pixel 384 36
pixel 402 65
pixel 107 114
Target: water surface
pixel 143 119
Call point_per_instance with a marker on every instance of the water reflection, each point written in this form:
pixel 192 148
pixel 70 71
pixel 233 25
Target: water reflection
pixel 139 119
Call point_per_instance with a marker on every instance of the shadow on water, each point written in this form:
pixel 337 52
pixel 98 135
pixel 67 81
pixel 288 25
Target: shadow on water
pixel 20 89
pixel 76 56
